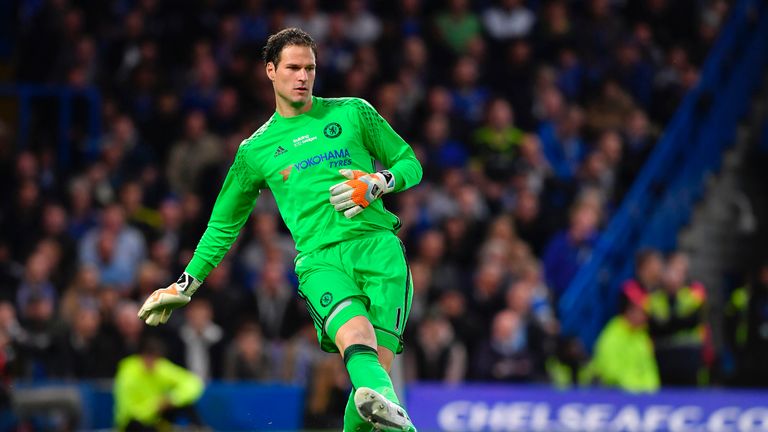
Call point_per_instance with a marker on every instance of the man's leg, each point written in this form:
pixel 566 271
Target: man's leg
pixel 352 420
pixel 357 341
pixel 355 338
pixel 339 308
pixel 382 271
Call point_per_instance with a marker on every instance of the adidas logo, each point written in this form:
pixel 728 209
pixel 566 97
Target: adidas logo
pixel 280 150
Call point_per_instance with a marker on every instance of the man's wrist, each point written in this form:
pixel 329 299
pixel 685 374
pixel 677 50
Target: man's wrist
pixel 188 284
pixel 198 267
pixel 389 180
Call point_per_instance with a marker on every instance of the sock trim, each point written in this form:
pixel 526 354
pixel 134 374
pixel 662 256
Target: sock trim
pixel 357 349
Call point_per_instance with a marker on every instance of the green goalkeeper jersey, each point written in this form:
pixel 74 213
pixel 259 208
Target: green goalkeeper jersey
pixel 298 159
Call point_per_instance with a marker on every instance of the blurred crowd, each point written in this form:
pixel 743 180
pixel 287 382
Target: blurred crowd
pixel 531 119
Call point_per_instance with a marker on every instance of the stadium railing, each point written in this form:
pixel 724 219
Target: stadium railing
pixel 6 29
pixel 27 95
pixel 232 406
pixel 661 199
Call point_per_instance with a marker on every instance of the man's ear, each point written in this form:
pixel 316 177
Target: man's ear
pixel 271 70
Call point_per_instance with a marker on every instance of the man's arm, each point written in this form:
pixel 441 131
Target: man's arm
pixel 388 147
pixel 186 387
pixel 230 212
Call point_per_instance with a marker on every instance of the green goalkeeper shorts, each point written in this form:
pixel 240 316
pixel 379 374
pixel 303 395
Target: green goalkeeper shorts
pixel 373 269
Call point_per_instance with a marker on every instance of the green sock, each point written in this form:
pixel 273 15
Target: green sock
pixel 365 371
pixel 352 420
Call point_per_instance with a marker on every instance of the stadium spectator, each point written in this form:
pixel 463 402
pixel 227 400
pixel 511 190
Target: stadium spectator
pixel 649 268
pixel 571 73
pixel 508 19
pixel 599 29
pixel 487 295
pixel 87 351
pixel 191 155
pixel 597 175
pixel 247 358
pixel 570 248
pixel 82 214
pixel 225 116
pixel 611 109
pixel 39 353
pixel 311 19
pixel 677 325
pixel 36 282
pixel 203 90
pixel 530 223
pixel 533 164
pixel 24 216
pixel 83 289
pixel 441 150
pixel 127 329
pixel 10 326
pixel 508 355
pixel 274 304
pixel 466 325
pixel 202 341
pixel 300 357
pixel 468 94
pixel 633 72
pixel 150 391
pixel 496 144
pixel 431 253
pixel 530 297
pixel 268 242
pixel 137 214
pixel 7 360
pixel 624 356
pixel 638 142
pixel 561 140
pixel 745 316
pixel 338 52
pixel 457 26
pixel 437 355
pixel 361 26
pixel 115 248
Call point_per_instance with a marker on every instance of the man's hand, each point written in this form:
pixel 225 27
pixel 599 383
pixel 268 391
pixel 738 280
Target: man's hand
pixel 158 307
pixel 357 193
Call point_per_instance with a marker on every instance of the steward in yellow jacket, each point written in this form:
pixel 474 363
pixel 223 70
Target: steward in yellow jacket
pixel 150 390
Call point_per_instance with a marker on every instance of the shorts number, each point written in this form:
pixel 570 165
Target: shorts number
pixel 397 319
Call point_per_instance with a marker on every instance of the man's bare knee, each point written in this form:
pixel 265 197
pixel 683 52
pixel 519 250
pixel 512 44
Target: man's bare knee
pixel 386 357
pixel 357 330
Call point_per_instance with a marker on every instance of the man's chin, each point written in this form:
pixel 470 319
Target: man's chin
pixel 301 101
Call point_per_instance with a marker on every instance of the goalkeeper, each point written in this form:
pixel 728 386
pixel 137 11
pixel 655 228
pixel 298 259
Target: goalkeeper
pixel 317 157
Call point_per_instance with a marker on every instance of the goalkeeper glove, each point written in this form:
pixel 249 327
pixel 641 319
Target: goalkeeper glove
pixel 158 307
pixel 357 193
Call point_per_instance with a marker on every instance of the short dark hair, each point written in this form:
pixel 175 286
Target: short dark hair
pixel 152 345
pixel 284 38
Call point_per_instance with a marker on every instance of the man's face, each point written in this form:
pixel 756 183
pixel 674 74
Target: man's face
pixel 294 75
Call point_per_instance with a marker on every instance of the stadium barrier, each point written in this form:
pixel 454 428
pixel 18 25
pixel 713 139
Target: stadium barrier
pixel 451 408
pixel 470 408
pixel 661 199
pixel 224 406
